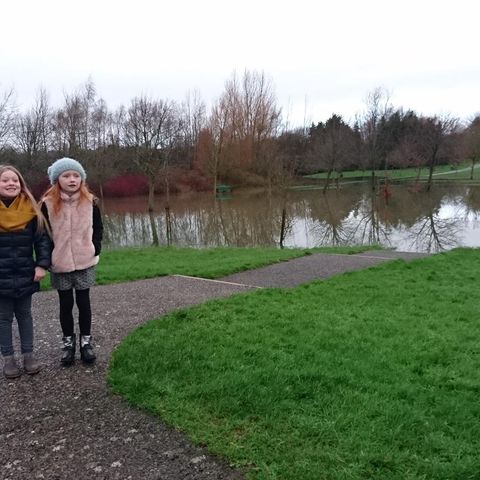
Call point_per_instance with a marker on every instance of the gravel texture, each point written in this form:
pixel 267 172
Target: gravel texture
pixel 312 267
pixel 64 423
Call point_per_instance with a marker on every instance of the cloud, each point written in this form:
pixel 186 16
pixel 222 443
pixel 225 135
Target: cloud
pixel 323 57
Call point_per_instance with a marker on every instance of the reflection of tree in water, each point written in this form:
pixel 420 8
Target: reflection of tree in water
pixel 230 222
pixel 344 217
pixel 127 229
pixel 368 228
pixel 188 228
pixel 366 218
pixel 428 231
pixel 241 226
pixel 328 213
pixel 434 234
pixel 406 208
pixel 472 205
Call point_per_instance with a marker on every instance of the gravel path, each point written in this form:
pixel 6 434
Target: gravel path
pixel 311 267
pixel 63 423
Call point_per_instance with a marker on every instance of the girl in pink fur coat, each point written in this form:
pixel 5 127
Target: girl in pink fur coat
pixel 77 230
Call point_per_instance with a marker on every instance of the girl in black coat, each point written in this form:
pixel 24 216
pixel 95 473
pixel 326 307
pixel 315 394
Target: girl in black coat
pixel 25 251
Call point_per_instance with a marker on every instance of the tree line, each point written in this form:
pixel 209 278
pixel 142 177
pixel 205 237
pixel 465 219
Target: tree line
pixel 241 139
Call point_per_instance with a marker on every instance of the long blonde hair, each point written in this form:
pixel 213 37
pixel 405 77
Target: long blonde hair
pixel 41 222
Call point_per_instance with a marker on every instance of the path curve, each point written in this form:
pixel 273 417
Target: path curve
pixel 64 423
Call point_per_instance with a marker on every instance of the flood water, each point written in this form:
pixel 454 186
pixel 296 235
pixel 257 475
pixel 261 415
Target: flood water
pixel 445 218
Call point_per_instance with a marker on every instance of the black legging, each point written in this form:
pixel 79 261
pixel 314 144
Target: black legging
pixel 66 311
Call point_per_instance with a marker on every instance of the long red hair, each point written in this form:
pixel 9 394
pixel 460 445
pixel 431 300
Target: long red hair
pixel 54 194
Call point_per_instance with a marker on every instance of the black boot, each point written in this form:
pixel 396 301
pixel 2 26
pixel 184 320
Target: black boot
pixel 86 350
pixel 68 356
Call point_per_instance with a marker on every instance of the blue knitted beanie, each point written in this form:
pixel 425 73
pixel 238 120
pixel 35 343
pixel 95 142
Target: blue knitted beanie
pixel 62 165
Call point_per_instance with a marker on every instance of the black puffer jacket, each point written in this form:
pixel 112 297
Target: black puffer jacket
pixel 17 262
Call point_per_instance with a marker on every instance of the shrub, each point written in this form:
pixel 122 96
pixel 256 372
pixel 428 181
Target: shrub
pixel 193 180
pixel 126 186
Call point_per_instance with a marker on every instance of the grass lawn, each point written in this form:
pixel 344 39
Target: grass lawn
pixel 126 264
pixel 374 374
pixel 456 172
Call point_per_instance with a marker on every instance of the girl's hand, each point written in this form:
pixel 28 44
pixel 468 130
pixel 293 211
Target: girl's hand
pixel 39 274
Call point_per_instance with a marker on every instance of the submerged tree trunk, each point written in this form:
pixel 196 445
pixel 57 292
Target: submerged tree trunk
pixel 433 161
pixel 327 180
pixel 151 194
pixel 168 224
pixel 153 226
pixel 430 175
pixel 417 178
pixel 168 219
pixel 386 190
pixel 283 226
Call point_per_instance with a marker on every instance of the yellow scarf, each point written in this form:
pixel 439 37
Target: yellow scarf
pixel 17 215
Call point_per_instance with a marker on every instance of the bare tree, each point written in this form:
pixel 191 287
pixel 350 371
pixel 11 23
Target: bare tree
pixel 192 122
pixel 7 112
pixel 151 129
pixel 406 155
pixel 118 119
pixel 251 118
pixel 377 107
pixel 72 122
pixel 104 142
pixel 472 143
pixel 434 142
pixel 332 146
pixel 218 137
pixel 32 130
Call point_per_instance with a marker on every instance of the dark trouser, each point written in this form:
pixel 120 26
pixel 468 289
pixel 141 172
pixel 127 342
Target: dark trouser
pixel 82 298
pixel 21 308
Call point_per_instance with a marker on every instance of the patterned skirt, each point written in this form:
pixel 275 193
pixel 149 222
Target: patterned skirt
pixel 79 279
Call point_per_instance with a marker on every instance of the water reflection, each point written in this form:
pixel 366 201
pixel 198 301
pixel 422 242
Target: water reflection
pixel 410 221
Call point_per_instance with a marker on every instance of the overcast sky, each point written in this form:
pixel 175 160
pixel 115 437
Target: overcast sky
pixel 322 57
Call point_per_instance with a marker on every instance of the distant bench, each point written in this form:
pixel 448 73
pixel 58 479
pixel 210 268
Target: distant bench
pixel 223 189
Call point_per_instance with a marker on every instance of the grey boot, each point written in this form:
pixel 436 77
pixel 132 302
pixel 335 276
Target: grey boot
pixel 10 367
pixel 30 364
